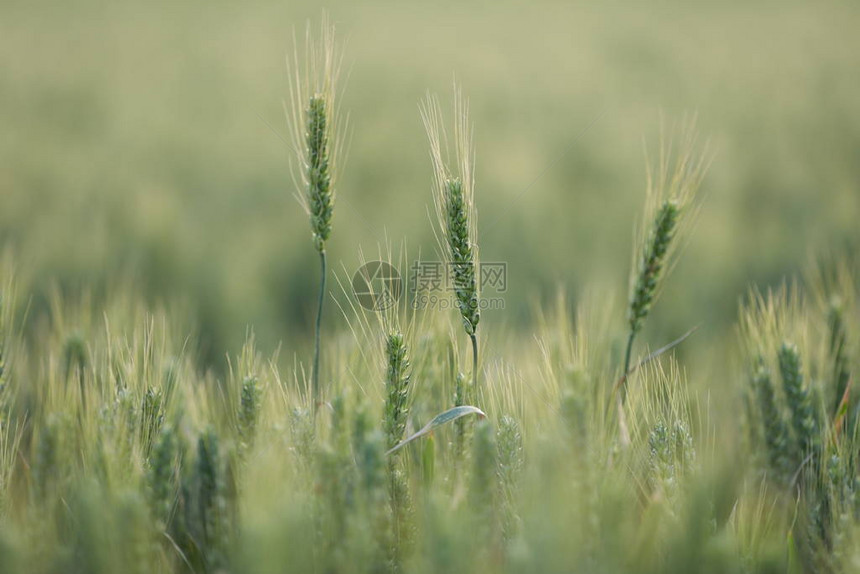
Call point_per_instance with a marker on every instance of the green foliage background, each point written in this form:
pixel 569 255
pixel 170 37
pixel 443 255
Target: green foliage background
pixel 139 140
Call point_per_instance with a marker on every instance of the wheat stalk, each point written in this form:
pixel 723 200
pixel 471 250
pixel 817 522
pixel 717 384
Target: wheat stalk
pixel 453 199
pixel 316 132
pixel 671 207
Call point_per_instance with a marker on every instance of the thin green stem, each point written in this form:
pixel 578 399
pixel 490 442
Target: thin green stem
pixel 628 355
pixel 474 339
pixel 316 370
pixel 665 348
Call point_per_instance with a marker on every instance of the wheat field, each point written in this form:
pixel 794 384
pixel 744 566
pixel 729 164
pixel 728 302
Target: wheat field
pixel 469 287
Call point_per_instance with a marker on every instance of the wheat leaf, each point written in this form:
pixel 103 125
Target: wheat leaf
pixel 451 414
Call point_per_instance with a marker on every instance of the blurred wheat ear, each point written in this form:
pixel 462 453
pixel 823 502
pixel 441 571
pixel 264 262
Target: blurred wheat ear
pixel 250 403
pixel 838 340
pixel 800 404
pixel 670 210
pixel 316 133
pixel 453 199
pixel 776 434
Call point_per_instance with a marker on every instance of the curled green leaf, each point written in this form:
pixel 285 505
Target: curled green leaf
pixel 451 414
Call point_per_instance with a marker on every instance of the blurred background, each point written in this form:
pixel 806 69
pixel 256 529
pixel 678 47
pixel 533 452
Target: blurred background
pixel 141 142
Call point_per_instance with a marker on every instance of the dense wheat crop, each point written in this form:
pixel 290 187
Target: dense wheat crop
pixel 607 360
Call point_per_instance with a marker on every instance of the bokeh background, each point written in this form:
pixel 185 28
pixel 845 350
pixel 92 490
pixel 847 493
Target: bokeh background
pixel 139 144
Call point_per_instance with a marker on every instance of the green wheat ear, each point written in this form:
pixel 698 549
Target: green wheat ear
pixel 453 199
pixel 319 195
pixel 76 356
pixel 462 257
pixel 317 137
pixel 671 454
pixel 800 404
pixel 152 417
pixel 652 262
pixel 210 525
pixel 250 403
pixel 511 461
pixel 670 208
pixel 397 389
pixel 776 434
pixel 162 476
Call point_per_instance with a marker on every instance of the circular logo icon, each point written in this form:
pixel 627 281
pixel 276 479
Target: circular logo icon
pixel 377 285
